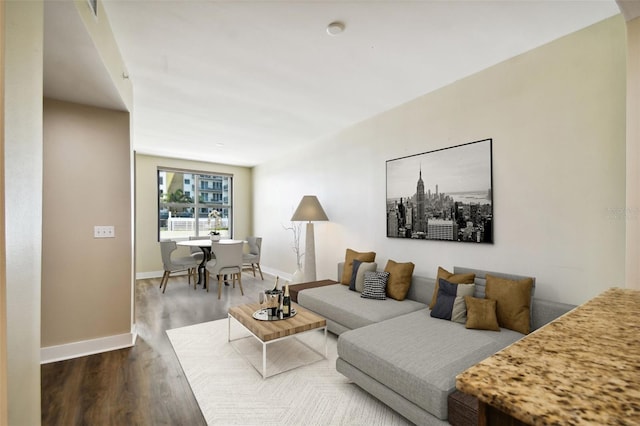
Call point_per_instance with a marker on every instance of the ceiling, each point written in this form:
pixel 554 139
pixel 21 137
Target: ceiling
pixel 243 82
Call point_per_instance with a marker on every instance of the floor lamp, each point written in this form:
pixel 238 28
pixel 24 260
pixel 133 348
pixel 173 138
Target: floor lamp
pixel 309 210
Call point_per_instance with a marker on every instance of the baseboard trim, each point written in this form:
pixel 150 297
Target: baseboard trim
pixel 151 274
pixel 276 273
pixel 87 347
pixel 265 270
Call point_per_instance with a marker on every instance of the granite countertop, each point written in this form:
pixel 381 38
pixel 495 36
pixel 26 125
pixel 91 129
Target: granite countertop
pixel 581 369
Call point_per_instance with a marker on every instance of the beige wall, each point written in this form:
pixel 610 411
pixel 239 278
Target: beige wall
pixel 148 262
pixel 557 118
pixel 632 214
pixel 86 282
pixel 23 26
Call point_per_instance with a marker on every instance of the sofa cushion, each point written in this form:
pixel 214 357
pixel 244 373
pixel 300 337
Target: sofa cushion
pixel 348 309
pixel 375 285
pixel 421 356
pixel 399 278
pixel 357 276
pixel 450 304
pixel 481 314
pixel 452 278
pixel 350 255
pixel 513 302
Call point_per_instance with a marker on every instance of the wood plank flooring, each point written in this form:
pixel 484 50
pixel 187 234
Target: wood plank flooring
pixel 142 385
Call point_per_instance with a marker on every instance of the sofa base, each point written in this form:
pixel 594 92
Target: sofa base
pixel 395 401
pixel 463 409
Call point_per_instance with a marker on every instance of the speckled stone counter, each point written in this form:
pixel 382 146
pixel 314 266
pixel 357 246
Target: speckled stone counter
pixel 581 369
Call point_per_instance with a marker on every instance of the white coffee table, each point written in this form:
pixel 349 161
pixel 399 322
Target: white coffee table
pixel 269 332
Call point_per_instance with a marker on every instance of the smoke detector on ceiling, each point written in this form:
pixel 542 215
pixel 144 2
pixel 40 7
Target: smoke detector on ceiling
pixel 335 28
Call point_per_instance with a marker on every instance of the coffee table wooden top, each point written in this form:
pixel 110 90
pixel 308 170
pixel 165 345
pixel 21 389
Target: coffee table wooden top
pixel 304 320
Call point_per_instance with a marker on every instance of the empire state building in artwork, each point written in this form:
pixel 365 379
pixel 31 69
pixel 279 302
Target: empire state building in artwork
pixel 420 222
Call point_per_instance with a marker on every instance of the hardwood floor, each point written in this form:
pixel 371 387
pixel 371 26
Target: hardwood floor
pixel 142 385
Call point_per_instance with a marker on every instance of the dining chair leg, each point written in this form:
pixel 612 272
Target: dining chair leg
pixel 253 268
pixel 260 270
pixel 165 279
pixel 240 283
pixel 206 280
pixel 195 274
pixel 164 276
pixel 219 286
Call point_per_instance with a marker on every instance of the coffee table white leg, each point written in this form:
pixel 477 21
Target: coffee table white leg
pixel 264 360
pixel 326 352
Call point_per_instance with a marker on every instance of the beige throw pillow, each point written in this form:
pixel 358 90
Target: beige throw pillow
pixel 359 278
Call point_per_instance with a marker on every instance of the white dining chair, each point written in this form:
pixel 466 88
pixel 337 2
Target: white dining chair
pixel 175 264
pixel 228 260
pixel 252 259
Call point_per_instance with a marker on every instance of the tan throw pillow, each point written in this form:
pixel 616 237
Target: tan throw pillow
pixel 452 278
pixel 481 314
pixel 348 263
pixel 399 279
pixel 513 302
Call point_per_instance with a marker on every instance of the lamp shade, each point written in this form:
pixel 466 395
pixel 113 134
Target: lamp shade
pixel 309 209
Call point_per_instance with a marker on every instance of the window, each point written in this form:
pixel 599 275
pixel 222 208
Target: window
pixel 185 201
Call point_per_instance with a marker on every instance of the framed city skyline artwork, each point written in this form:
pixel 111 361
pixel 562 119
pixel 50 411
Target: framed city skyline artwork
pixel 444 195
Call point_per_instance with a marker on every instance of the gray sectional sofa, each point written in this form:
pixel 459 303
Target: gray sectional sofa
pixel 401 355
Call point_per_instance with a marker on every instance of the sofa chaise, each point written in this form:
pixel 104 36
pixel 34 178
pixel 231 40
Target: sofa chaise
pixel 401 355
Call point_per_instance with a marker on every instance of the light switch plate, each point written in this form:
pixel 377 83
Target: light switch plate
pixel 104 231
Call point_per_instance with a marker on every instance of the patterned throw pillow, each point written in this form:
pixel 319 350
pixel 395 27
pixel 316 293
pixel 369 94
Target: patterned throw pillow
pixel 450 304
pixel 375 285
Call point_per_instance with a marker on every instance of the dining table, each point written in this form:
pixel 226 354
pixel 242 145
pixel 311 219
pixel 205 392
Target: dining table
pixel 205 245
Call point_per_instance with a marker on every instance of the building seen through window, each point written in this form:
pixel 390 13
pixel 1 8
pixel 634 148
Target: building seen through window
pixel 185 201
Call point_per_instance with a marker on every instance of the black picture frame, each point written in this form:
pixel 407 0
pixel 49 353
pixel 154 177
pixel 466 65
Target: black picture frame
pixel 443 195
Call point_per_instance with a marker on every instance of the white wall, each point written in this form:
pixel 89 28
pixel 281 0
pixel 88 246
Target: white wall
pixel 557 119
pixel 23 194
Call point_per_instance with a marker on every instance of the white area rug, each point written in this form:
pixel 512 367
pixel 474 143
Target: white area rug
pixel 230 391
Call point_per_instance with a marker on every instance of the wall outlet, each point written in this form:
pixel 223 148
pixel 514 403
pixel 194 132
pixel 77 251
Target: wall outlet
pixel 104 232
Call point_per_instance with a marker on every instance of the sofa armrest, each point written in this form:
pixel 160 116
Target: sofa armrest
pixel 340 270
pixel 545 311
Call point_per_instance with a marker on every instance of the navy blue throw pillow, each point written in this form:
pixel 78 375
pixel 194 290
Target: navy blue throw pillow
pixel 450 304
pixel 352 283
pixel 444 303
